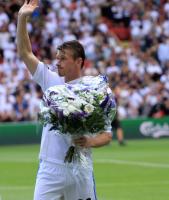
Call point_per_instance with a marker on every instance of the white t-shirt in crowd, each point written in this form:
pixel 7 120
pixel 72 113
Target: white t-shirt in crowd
pixel 53 144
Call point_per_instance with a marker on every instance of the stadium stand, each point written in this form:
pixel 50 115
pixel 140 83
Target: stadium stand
pixel 126 40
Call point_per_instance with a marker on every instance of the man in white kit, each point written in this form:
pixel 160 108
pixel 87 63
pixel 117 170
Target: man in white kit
pixel 55 179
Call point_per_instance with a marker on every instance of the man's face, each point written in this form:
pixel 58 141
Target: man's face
pixel 66 64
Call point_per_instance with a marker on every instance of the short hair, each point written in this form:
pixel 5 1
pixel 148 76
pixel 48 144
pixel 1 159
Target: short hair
pixel 76 47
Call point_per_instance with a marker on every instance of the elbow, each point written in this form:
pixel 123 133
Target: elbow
pixel 23 52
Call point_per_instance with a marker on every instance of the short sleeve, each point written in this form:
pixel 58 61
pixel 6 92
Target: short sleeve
pixel 45 77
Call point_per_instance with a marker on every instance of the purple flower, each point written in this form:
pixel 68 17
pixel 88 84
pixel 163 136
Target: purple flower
pixel 104 78
pixel 112 104
pixel 46 101
pixel 54 108
pixel 104 103
pixel 69 87
pixel 60 114
pixel 53 93
pixel 80 115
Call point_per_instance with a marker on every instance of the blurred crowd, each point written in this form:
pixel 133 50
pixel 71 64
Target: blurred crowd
pixel 138 69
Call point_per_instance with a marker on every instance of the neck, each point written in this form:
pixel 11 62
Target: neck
pixel 71 78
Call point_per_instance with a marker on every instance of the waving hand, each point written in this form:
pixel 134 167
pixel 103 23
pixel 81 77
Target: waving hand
pixel 28 7
pixel 23 42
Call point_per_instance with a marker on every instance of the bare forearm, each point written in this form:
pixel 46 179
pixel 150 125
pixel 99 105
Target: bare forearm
pixel 23 41
pixel 97 141
pixel 100 140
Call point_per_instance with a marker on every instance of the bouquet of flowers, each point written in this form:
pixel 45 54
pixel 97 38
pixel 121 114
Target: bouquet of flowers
pixel 78 109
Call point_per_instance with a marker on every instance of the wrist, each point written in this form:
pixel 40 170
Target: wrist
pixel 22 15
pixel 91 142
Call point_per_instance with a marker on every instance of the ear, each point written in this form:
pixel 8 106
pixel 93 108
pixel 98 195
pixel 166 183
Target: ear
pixel 79 62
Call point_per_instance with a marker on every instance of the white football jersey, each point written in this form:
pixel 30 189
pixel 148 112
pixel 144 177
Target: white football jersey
pixel 53 144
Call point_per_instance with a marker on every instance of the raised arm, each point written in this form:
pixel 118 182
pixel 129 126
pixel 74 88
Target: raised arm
pixel 23 42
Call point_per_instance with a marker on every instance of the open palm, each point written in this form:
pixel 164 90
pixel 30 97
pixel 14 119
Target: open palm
pixel 28 7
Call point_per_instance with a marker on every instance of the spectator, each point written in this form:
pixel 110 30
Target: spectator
pixel 20 107
pixel 134 67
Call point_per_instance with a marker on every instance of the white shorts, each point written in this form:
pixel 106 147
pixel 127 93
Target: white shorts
pixel 60 182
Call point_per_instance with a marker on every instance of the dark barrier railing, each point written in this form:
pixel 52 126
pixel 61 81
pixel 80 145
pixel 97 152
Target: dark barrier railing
pixel 20 133
pixel 146 127
pixel 30 132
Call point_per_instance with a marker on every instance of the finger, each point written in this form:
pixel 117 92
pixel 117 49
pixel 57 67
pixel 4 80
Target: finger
pixel 25 2
pixel 79 140
pixel 34 2
pixel 82 145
